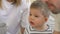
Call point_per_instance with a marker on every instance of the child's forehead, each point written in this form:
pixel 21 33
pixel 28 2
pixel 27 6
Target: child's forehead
pixel 37 10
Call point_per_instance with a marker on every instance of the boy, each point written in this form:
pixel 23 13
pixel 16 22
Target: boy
pixel 39 14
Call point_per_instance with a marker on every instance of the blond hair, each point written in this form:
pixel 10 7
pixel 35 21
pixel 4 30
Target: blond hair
pixel 15 2
pixel 0 3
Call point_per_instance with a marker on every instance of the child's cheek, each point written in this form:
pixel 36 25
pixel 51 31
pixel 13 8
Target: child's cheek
pixel 37 21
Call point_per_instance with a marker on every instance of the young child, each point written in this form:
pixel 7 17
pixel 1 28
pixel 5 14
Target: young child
pixel 39 14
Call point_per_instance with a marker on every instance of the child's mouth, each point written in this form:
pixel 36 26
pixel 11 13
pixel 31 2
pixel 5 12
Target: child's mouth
pixel 31 23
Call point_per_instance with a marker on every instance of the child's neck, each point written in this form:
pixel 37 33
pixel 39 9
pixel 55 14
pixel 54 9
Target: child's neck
pixel 42 28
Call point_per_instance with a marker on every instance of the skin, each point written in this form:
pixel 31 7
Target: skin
pixel 53 5
pixel 22 30
pixel 36 19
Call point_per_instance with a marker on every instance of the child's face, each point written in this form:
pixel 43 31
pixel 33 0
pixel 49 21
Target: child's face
pixel 36 19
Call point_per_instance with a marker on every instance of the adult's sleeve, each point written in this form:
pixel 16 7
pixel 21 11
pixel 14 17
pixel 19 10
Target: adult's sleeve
pixel 25 14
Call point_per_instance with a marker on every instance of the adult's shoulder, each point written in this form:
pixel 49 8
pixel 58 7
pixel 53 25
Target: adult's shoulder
pixel 24 4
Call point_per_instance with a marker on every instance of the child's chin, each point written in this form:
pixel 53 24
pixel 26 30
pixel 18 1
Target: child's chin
pixel 32 25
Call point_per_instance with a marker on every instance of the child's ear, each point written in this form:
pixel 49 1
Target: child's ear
pixel 46 19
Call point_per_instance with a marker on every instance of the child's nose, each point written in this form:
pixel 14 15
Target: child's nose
pixel 32 17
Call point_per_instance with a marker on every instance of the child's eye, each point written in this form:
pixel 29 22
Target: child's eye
pixel 30 14
pixel 36 16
